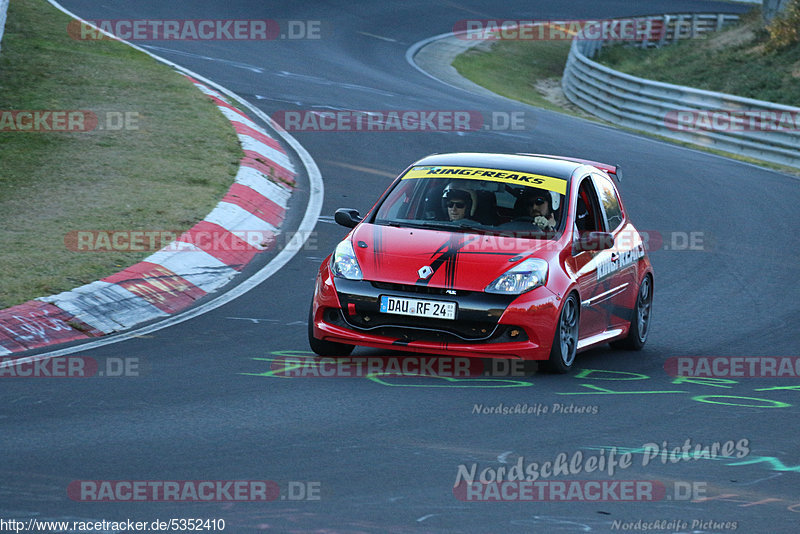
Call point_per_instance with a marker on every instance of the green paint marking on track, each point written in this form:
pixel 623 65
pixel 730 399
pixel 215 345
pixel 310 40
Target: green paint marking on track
pixel 771 403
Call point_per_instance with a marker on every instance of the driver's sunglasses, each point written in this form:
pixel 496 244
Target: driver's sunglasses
pixel 459 205
pixel 538 201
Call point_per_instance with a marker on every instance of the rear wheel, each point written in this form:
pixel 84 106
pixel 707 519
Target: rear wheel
pixel 640 324
pixel 322 347
pixel 565 341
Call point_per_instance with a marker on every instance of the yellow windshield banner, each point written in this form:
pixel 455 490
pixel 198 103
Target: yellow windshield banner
pixel 493 175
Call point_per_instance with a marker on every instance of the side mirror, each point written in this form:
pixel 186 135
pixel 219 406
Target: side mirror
pixel 347 217
pixel 593 241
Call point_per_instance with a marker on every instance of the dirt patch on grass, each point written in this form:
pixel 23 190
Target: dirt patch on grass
pixel 550 89
pixel 744 34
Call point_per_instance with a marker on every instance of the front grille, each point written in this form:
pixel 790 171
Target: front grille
pixel 407 329
pixel 472 330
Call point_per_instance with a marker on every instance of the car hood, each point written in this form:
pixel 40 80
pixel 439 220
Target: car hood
pixel 458 260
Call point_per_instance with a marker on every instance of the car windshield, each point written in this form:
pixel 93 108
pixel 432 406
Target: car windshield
pixel 471 199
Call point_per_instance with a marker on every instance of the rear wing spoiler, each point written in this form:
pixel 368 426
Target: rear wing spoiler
pixel 613 170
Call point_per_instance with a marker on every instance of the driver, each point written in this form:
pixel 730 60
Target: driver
pixel 457 202
pixel 537 203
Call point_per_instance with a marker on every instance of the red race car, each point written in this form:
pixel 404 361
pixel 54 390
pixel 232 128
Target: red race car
pixel 488 255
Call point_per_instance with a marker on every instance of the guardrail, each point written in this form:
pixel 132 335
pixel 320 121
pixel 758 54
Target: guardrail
pixel 754 128
pixel 3 11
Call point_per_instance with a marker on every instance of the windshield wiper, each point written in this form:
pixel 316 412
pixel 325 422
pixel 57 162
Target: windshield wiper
pixel 448 226
pixel 417 224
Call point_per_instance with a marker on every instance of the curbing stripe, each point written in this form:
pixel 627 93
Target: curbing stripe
pixel 157 285
pixel 204 88
pixel 235 117
pixel 221 102
pixel 219 242
pixel 106 307
pixel 250 200
pixel 254 145
pixel 235 218
pixel 35 324
pixel 244 129
pixel 196 266
pixel 254 179
pixel 274 173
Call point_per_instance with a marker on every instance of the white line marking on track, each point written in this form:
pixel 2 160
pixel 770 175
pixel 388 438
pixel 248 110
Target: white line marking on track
pixel 237 64
pixel 776 475
pixel 379 37
pixel 324 81
pixel 254 320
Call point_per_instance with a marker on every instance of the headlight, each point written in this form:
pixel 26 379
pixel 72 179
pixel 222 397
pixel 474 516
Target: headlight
pixel 527 275
pixel 344 263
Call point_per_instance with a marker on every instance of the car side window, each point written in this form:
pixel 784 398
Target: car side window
pixel 610 202
pixel 587 215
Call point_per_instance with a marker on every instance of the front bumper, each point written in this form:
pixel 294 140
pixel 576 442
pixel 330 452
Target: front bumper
pixel 486 325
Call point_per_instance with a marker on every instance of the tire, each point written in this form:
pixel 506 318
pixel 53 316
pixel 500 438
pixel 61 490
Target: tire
pixel 322 347
pixel 640 325
pixel 565 340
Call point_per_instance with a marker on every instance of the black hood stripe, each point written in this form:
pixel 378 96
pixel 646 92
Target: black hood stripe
pixel 448 256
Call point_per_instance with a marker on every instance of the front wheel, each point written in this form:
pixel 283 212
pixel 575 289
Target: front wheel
pixel 565 341
pixel 322 347
pixel 640 324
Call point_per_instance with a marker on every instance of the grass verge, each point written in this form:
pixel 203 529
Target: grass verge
pixel 164 170
pixel 734 61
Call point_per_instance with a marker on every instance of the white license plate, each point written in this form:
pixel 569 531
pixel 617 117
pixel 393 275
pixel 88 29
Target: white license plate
pixel 434 309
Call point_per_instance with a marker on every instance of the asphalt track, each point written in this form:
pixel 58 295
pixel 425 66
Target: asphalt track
pixel 386 452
